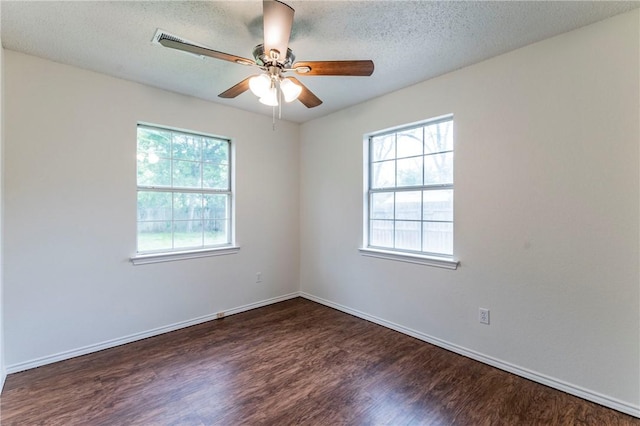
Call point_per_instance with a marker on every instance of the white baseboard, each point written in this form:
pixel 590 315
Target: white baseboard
pixel 598 398
pixel 3 377
pixel 21 366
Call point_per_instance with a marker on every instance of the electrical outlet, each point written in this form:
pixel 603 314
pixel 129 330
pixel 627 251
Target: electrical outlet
pixel 220 315
pixel 258 277
pixel 483 316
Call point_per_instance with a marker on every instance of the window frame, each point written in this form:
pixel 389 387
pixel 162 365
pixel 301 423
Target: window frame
pixel 404 255
pixel 171 254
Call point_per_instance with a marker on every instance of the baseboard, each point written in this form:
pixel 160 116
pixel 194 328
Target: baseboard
pixel 3 377
pixel 613 403
pixel 15 368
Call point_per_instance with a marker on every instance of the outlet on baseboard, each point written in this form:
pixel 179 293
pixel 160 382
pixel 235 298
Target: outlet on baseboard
pixel 220 315
pixel 483 315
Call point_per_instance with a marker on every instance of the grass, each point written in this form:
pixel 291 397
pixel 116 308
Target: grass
pixel 153 241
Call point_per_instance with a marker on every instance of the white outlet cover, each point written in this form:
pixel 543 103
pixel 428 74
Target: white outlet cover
pixel 483 316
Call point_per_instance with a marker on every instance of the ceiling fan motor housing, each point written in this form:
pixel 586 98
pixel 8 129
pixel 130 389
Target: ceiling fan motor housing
pixel 264 58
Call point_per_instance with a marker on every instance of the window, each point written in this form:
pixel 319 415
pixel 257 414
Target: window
pixel 410 190
pixel 184 191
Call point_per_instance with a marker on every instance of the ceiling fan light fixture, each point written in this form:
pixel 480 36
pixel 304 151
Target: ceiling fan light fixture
pixel 274 58
pixel 260 85
pixel 290 90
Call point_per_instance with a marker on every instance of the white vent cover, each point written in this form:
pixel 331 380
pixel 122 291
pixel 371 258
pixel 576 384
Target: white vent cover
pixel 165 35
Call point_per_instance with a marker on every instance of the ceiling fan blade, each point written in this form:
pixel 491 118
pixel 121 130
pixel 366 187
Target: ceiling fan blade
pixel 203 51
pixel 350 68
pixel 236 90
pixel 307 97
pixel 277 20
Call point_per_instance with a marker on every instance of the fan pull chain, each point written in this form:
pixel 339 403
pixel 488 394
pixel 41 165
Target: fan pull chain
pixel 273 118
pixel 273 110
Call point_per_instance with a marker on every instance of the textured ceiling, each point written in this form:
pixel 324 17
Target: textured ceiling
pixel 409 41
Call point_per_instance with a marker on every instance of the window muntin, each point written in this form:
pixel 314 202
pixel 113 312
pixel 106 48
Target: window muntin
pixel 410 189
pixel 184 191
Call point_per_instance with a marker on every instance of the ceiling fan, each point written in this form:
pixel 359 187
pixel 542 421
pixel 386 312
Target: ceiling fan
pixel 275 59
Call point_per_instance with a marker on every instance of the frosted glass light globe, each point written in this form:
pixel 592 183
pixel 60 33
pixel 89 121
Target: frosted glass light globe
pixel 260 84
pixel 270 98
pixel 290 90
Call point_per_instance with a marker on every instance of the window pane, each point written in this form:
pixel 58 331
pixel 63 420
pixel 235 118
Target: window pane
pixel 410 143
pixel 408 235
pixel 410 171
pixel 438 238
pixel 187 147
pixel 187 206
pixel 154 206
pixel 383 175
pixel 216 206
pixel 381 233
pixel 181 218
pixel 383 147
pixel 154 142
pixel 438 205
pixel 215 176
pixel 438 137
pixel 438 168
pixel 186 174
pixel 408 205
pixel 216 232
pixel 187 233
pixel 153 171
pixel 154 236
pixel 215 151
pixel 382 205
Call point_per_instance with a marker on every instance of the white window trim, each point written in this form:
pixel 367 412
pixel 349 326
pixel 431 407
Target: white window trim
pixel 145 259
pixel 439 262
pixel 396 255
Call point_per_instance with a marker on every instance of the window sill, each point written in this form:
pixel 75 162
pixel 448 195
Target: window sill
pixel 439 262
pixel 143 259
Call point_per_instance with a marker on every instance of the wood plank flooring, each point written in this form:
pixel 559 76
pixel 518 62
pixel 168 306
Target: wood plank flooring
pixel 295 362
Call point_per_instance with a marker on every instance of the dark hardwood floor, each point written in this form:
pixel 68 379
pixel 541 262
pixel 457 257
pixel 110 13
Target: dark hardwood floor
pixel 295 362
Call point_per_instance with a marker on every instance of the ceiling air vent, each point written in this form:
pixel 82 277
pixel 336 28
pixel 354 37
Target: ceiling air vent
pixel 164 35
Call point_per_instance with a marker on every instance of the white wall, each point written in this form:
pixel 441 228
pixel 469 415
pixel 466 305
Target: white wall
pixel 3 372
pixel 546 213
pixel 70 212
